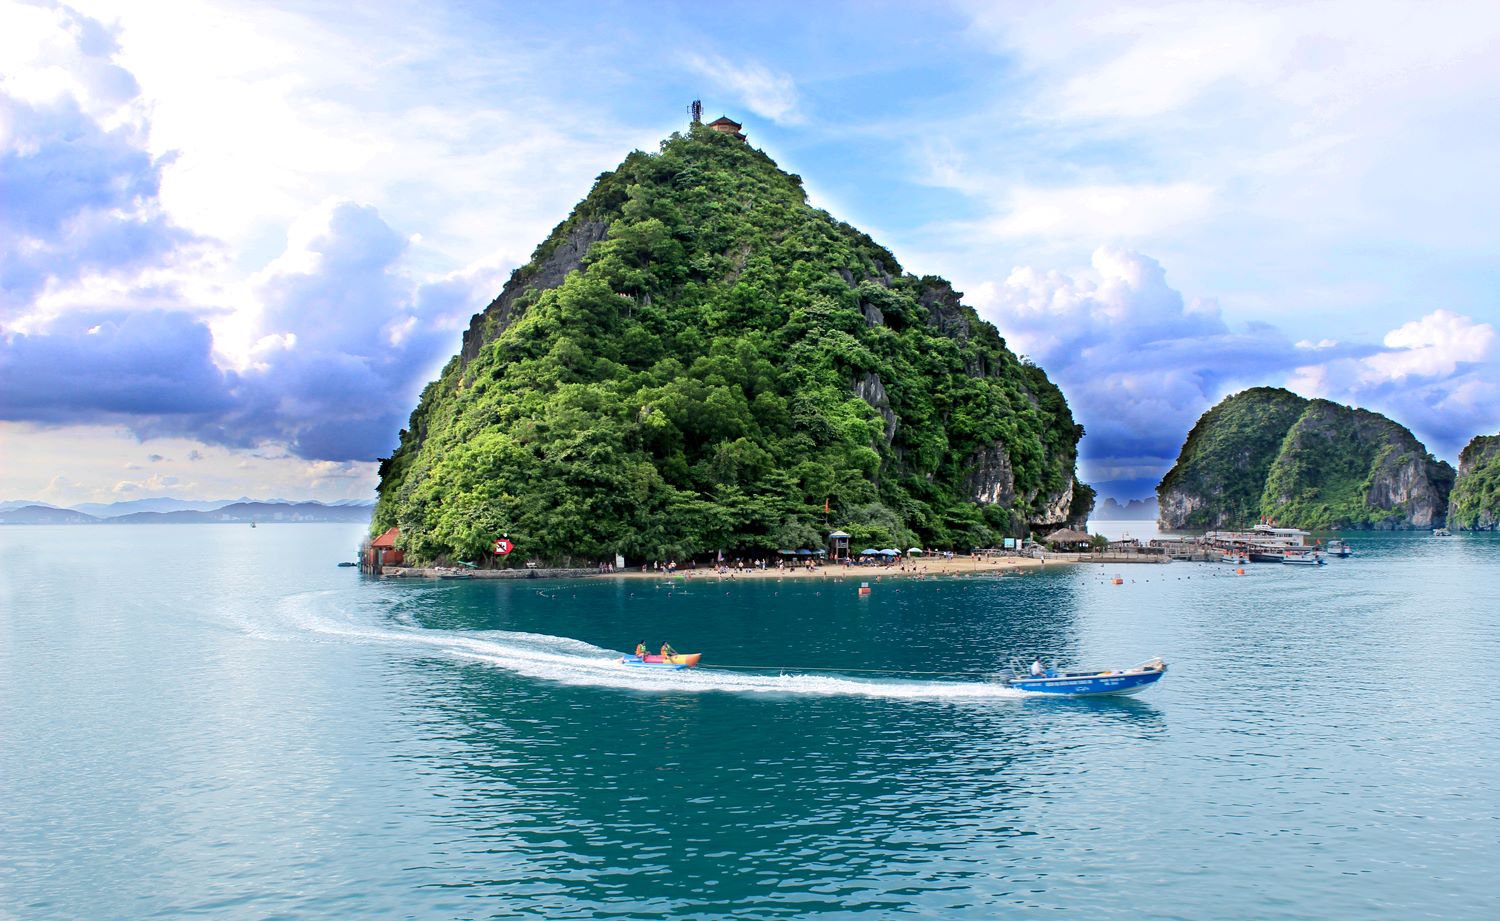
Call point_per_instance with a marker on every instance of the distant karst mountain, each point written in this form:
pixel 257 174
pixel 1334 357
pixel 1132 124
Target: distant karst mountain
pixel 164 504
pixel 1267 453
pixel 696 359
pixel 44 514
pixel 1132 510
pixel 233 512
pixel 1475 503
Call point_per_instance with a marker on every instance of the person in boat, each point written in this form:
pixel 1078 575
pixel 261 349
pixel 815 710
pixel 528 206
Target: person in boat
pixel 640 650
pixel 667 651
pixel 1037 668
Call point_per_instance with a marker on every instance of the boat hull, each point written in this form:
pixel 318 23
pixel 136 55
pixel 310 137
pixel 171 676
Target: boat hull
pixel 681 660
pixel 1102 684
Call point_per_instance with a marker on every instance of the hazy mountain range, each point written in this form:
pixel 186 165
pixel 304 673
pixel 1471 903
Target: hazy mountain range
pixel 183 511
pixel 1133 510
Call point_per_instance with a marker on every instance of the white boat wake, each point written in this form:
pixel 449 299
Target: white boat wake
pixel 569 661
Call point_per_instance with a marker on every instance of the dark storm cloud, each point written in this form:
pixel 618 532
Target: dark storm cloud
pixel 1139 364
pixel 350 342
pixel 103 366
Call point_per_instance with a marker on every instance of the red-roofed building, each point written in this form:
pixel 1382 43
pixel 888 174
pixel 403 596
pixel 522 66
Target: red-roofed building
pixel 726 125
pixel 382 552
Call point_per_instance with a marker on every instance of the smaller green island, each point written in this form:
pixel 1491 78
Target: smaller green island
pixel 1475 502
pixel 1267 454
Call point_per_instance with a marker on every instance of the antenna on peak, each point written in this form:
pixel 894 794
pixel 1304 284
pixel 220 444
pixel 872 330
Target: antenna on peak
pixel 696 110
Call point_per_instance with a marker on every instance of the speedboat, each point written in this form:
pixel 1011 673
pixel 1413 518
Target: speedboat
pixel 674 661
pixel 1302 556
pixel 1339 548
pixel 1131 680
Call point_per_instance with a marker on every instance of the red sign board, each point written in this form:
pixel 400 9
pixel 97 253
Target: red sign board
pixel 503 546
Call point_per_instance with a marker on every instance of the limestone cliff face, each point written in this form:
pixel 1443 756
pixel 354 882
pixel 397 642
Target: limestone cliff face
pixel 1475 501
pixel 1411 487
pixel 1270 454
pixel 1341 467
pixel 872 391
pixel 989 471
pixel 1221 471
pixel 989 478
pixel 1178 509
pixel 563 252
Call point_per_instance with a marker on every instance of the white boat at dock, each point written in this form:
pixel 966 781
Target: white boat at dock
pixel 1261 544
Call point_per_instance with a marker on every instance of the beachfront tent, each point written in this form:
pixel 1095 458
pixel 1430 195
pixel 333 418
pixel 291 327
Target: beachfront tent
pixel 913 551
pixel 1067 537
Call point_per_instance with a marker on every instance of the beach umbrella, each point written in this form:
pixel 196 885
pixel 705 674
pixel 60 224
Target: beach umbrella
pixel 804 552
pixel 913 551
pixel 869 551
pixel 786 552
pixel 889 551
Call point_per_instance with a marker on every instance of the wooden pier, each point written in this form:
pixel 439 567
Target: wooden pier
pixel 1192 550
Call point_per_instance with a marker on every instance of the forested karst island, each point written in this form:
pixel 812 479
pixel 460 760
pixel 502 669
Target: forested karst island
pixel 1475 503
pixel 1267 453
pixel 697 359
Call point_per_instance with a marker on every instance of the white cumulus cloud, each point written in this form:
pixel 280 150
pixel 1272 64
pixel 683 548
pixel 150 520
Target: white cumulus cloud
pixel 1439 375
pixel 767 93
pixel 1139 363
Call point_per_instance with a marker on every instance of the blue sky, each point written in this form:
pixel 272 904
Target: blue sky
pixel 237 238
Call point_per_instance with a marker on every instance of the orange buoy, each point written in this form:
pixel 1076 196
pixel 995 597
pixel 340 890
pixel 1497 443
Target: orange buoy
pixel 864 588
pixel 1239 572
pixel 1117 580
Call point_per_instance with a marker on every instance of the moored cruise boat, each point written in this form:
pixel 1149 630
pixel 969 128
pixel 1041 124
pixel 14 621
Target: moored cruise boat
pixel 1262 544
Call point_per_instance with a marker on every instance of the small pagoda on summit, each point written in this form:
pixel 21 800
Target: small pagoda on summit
pixel 723 124
pixel 726 125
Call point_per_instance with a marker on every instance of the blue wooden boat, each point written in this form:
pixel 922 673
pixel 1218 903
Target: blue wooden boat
pixel 1131 680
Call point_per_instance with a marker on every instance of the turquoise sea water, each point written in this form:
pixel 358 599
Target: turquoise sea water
pixel 216 721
